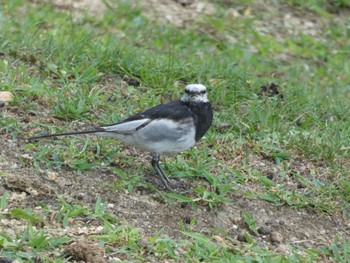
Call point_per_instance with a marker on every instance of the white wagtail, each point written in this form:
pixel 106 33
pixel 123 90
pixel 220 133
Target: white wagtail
pixel 164 129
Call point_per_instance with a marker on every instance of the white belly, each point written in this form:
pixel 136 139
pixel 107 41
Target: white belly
pixel 159 136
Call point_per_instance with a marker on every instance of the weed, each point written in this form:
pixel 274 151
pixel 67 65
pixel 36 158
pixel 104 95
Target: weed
pixel 3 200
pixel 250 222
pixel 128 182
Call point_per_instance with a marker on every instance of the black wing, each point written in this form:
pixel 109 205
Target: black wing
pixel 175 110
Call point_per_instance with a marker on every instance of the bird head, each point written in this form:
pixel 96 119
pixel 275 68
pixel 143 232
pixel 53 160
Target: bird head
pixel 195 93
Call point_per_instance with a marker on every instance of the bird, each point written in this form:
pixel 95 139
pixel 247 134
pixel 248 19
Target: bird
pixel 165 129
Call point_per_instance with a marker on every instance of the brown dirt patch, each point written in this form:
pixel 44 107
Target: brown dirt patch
pixel 279 226
pixel 86 251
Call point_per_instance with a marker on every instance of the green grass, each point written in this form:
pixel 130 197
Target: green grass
pixel 71 68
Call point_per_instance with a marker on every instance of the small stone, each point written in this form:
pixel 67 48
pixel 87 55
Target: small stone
pixel 18 197
pixel 131 81
pixel 302 168
pixel 83 230
pixel 33 192
pixel 5 221
pixel 237 220
pixel 241 237
pixel 233 13
pixel 234 226
pixel 264 230
pixel 270 175
pixel 115 259
pixel 80 196
pixel 185 2
pixel 26 156
pixel 52 176
pixel 276 237
pixel 83 250
pixel 301 186
pixel 6 96
pixel 293 239
pixel 283 249
pixel 32 113
pixel 99 229
pixel 272 222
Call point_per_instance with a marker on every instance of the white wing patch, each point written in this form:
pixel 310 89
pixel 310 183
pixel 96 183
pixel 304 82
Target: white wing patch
pixel 126 127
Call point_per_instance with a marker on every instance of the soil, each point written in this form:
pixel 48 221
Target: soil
pixel 278 226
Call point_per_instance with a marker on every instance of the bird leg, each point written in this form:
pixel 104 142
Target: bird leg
pixel 160 172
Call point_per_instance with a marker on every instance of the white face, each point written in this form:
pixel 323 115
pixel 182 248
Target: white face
pixel 195 93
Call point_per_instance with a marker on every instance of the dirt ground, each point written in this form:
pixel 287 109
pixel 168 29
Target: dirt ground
pixel 279 226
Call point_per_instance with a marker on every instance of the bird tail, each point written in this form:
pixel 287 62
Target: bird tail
pixel 65 134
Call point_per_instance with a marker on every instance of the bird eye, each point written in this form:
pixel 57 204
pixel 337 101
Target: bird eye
pixel 192 92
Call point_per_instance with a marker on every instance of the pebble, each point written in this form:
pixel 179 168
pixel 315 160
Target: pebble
pixel 99 229
pixel 283 249
pixel 32 113
pixel 4 221
pixel 293 239
pixel 115 259
pixel 237 220
pixel 6 96
pixel 26 156
pixel 52 176
pixel 272 222
pixel 185 2
pixel 276 237
pixel 33 192
pixel 80 196
pixel 241 237
pixel 301 186
pixel 18 197
pixel 264 230
pixel 270 175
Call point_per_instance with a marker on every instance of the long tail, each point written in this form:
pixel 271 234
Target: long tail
pixel 65 133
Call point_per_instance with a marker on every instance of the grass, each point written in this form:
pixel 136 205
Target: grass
pixel 71 69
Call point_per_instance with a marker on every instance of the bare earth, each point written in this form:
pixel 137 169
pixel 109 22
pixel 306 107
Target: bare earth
pixel 280 226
